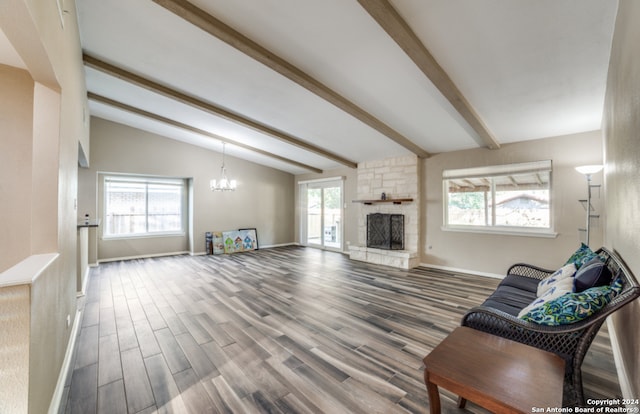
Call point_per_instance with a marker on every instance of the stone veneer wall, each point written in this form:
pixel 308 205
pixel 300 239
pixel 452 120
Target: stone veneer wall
pixel 397 177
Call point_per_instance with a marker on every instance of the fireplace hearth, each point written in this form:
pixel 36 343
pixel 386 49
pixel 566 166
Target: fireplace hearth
pixel 385 231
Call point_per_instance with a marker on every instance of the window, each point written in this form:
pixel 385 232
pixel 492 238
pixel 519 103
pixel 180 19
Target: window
pixel 139 206
pixel 514 197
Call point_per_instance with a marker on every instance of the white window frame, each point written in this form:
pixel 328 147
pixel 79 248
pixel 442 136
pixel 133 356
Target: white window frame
pixel 498 171
pixel 138 179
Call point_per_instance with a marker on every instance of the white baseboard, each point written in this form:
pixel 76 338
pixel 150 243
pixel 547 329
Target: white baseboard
pixel 458 270
pixel 271 246
pixel 623 374
pixel 142 256
pixel 147 256
pixel 56 399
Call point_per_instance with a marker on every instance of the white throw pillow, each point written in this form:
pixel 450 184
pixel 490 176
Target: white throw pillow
pixel 567 271
pixel 559 288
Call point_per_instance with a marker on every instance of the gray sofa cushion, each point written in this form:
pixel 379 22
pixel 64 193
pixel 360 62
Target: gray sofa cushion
pixel 521 282
pixel 510 299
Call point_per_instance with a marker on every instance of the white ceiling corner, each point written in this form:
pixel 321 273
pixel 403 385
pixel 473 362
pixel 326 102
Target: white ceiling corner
pixel 8 54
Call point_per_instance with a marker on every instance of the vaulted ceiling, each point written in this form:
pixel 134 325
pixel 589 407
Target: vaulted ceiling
pixel 304 85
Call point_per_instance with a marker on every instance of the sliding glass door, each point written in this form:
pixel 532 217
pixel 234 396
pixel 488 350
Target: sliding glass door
pixel 321 224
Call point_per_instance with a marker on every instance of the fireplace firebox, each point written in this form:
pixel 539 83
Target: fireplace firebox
pixel 385 231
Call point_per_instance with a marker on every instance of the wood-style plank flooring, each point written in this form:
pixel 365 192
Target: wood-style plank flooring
pixel 285 330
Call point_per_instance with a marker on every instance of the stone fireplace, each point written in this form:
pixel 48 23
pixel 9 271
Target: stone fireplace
pixel 398 179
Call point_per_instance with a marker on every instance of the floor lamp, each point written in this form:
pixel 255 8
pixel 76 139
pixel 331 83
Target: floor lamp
pixel 588 171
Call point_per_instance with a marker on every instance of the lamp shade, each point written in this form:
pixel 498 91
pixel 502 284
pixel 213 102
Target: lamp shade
pixel 589 169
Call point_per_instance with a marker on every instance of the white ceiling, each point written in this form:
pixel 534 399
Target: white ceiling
pixel 531 69
pixel 8 55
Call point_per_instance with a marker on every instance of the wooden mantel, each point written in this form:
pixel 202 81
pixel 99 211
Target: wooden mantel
pixel 388 200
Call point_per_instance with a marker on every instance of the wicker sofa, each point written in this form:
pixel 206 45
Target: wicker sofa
pixel 498 315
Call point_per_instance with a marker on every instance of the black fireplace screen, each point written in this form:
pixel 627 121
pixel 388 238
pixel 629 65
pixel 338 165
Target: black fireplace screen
pixel 385 231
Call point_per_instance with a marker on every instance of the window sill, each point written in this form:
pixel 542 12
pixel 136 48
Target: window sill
pixel 143 236
pixel 544 233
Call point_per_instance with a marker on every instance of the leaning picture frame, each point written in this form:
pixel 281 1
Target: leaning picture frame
pixel 252 234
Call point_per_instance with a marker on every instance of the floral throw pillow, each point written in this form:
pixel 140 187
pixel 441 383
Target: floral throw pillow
pixel 581 256
pixel 561 287
pixel 574 307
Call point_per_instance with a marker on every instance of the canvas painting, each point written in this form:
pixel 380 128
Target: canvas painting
pixel 235 241
pixel 232 241
pixel 249 239
pixel 218 243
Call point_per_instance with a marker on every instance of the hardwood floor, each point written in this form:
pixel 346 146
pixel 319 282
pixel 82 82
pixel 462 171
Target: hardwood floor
pixel 285 330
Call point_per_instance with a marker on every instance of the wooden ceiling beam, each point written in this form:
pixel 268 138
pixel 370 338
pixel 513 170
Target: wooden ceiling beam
pixel 155 87
pixel 116 104
pixel 398 29
pixel 215 27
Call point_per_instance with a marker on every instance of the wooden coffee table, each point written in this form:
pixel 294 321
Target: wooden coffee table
pixel 498 374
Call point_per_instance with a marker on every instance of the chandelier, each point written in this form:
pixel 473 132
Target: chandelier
pixel 223 184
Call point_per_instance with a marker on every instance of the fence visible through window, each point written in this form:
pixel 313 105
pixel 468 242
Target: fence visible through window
pixel 139 207
pixel 520 198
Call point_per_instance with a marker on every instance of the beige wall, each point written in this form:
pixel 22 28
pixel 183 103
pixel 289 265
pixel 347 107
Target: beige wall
pixel 16 124
pixel 491 253
pixel 14 349
pixel 46 216
pixel 350 193
pixel 46 159
pixel 263 199
pixel 622 178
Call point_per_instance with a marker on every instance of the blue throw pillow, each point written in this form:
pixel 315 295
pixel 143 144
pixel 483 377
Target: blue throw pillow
pixel 591 274
pixel 573 307
pixel 581 256
pixel 616 287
